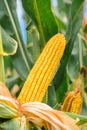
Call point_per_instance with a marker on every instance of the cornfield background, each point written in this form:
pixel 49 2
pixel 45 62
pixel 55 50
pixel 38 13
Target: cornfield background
pixel 42 20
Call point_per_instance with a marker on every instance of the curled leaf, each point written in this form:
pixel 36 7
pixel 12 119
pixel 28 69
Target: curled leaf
pixel 7 112
pixel 4 90
pixel 9 44
pixel 11 102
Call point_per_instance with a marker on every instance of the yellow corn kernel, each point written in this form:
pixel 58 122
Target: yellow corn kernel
pixel 73 102
pixel 42 73
pixel 76 104
pixel 67 101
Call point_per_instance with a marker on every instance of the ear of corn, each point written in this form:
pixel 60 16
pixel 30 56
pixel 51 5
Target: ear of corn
pixel 68 101
pixel 73 102
pixel 42 73
pixel 76 104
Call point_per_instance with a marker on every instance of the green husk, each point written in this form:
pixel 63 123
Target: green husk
pixel 15 124
pixel 7 111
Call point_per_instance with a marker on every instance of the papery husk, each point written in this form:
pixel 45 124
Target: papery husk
pixel 5 97
pixel 11 102
pixel 4 90
pixel 30 115
pixel 8 108
pixel 35 113
pixel 40 113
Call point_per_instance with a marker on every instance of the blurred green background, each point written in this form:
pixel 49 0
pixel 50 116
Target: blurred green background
pixel 26 26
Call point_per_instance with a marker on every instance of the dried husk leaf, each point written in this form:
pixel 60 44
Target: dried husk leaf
pixel 31 114
pixel 40 113
pixel 11 102
pixel 4 90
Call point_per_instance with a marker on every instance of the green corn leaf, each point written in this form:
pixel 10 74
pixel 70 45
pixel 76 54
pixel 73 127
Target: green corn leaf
pixel 9 21
pixel 41 13
pixel 9 44
pixel 76 19
pixel 81 119
pixel 2 73
pixel 15 124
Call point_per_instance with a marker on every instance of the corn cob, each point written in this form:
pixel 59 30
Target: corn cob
pixel 76 104
pixel 42 73
pixel 73 102
pixel 67 101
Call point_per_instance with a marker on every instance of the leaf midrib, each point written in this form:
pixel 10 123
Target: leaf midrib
pixel 39 21
pixel 16 32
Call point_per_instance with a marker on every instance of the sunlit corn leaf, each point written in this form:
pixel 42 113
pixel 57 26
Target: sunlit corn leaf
pixel 80 118
pixel 9 21
pixel 9 44
pixel 76 19
pixel 43 17
pixel 33 43
pixel 85 98
pixel 2 72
